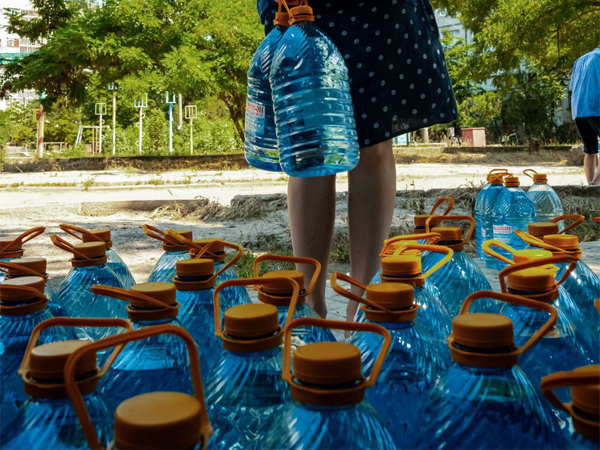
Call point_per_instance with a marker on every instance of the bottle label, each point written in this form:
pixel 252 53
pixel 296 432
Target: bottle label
pixel 503 233
pixel 255 118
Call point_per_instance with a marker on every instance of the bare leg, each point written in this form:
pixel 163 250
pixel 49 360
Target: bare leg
pixel 311 206
pixel 590 162
pixel 371 200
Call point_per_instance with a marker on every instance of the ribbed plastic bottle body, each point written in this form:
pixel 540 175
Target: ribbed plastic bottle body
pixel 584 287
pixel 486 209
pixel 75 296
pixel 53 424
pixel 246 395
pixel 413 365
pixel 475 408
pixel 457 280
pixel 513 210
pixel 547 202
pixel 261 146
pixel 234 295
pixel 157 364
pixel 302 426
pixel 580 442
pixel 478 220
pixel 305 335
pixel 119 268
pixel 15 332
pixel 164 269
pixel 196 315
pixel 314 115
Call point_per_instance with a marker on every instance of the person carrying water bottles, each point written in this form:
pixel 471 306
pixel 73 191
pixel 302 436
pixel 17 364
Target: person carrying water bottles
pixel 399 83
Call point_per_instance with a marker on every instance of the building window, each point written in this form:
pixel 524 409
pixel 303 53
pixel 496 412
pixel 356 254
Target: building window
pixel 14 43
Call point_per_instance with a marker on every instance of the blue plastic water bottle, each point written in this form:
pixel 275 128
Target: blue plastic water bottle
pixel 26 267
pixel 164 269
pixel 280 296
pixel 477 210
pixel 328 388
pixel 155 420
pixel 485 211
pixel 22 307
pixel 571 343
pixel 414 363
pixel 88 268
pixel 513 210
pixel 584 410
pixel 246 393
pixel 159 363
pixel 420 220
pixel 314 115
pixel 261 146
pixel 461 276
pixel 485 400
pixel 13 248
pixel 47 420
pixel 546 201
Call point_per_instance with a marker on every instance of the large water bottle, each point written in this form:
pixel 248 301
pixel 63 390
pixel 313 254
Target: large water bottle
pixel 584 410
pixel 159 363
pixel 47 420
pixel 485 209
pixel 485 400
pixel 114 261
pixel 513 210
pixel 155 420
pixel 461 276
pixel 164 269
pixel 280 295
pixel 88 268
pixel 23 306
pixel 261 146
pixel 246 393
pixel 13 248
pixel 314 115
pixel 414 363
pixel 547 203
pixel 36 267
pixel 555 226
pixel 478 217
pixel 420 220
pixel 328 386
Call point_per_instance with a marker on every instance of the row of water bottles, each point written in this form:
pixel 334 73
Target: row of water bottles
pixel 427 390
pixel 503 206
pixel 299 112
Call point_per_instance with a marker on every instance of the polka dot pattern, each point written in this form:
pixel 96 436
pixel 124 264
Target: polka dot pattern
pixel 399 79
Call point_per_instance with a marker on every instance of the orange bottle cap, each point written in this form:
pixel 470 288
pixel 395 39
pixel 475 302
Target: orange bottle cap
pixel 327 363
pixel 540 178
pixel 282 18
pixel 15 295
pixel 587 397
pixel 283 288
pixel 161 291
pixel 512 181
pixel 541 229
pixel 301 14
pixel 252 320
pixel 188 234
pixel 219 247
pixel 449 233
pixel 535 279
pixel 401 265
pixel 159 420
pixel 563 241
pixel 102 233
pixel 11 245
pixel 495 179
pixel 48 361
pixel 483 331
pixel 37 264
pixel 391 295
pixel 201 267
pixel 526 255
pixel 91 249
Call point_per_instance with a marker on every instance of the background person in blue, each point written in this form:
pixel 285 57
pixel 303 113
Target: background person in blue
pixel 399 83
pixel 585 107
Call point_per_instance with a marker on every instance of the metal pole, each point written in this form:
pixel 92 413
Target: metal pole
pixel 180 124
pixel 100 135
pixel 114 130
pixel 140 135
pixel 170 101
pixel 191 137
pixel 40 134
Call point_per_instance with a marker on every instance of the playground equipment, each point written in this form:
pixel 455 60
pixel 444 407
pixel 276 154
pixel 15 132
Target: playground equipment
pixel 170 103
pixel 141 105
pixel 100 110
pixel 191 113
pixel 114 87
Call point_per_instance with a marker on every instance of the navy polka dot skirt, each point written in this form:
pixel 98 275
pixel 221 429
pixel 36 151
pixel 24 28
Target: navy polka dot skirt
pixel 395 60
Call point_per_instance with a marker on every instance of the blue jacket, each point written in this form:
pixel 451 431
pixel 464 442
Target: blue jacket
pixel 585 84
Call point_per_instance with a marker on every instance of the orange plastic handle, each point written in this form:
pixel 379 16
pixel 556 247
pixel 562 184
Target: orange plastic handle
pixel 442 200
pixel 26 236
pixel 201 249
pixel 5 266
pixel 157 234
pixel 432 248
pixel 538 263
pixel 67 246
pixel 521 301
pixel 487 248
pixel 565 379
pixel 597 220
pixel 291 259
pixel 526 172
pixel 435 237
pixel 597 303
pixel 532 240
pixel 336 325
pixel 128 296
pixel 78 232
pixel 74 322
pixel 254 282
pixel 120 341
pixel 577 218
pixel 15 287
pixel 351 295
pixel 457 218
pixel 497 171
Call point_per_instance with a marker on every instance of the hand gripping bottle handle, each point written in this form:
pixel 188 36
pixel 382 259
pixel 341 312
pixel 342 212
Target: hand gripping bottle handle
pixel 509 358
pixel 119 341
pixel 24 237
pixel 409 238
pixel 295 260
pixel 5 267
pixel 79 233
pixel 576 218
pixel 432 248
pixel 541 262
